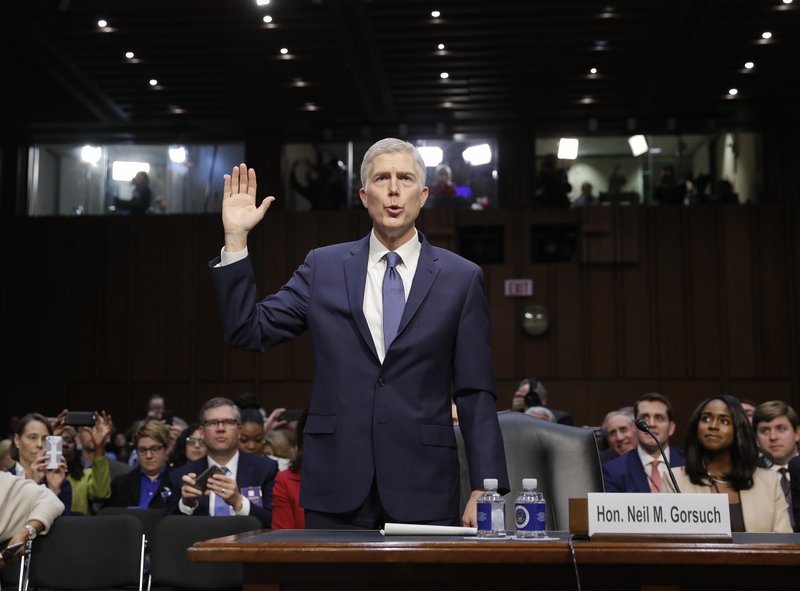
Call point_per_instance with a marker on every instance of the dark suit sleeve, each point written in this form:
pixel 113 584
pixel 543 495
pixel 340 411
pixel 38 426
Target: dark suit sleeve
pixel 264 476
pixel 611 477
pixel 473 385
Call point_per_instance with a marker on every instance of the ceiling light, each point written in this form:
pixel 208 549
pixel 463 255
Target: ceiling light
pixel 262 2
pixel 638 144
pixel 444 75
pixel 432 155
pixel 478 155
pixel 91 154
pixel 284 50
pixel 568 148
pixel 788 1
pixel 440 47
pixel 766 35
pixel 749 65
pixel 130 55
pixel 436 14
pixel 124 170
pixel 593 71
pixel 733 91
pixel 267 18
pixel 310 107
pixel 177 154
pixel 102 23
pixel 298 83
pixel 153 82
pixel 176 110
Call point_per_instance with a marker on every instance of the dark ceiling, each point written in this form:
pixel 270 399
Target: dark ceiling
pixel 359 65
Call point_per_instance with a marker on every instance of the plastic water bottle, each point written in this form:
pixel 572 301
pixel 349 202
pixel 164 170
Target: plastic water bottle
pixel 530 511
pixel 491 511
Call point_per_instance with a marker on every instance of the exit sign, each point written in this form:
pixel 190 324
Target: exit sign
pixel 518 288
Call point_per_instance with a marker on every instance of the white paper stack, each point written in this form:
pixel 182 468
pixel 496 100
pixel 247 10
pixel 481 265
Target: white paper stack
pixel 410 529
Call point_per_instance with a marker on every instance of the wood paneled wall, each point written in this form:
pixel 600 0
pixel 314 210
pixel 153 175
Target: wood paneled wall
pixel 102 312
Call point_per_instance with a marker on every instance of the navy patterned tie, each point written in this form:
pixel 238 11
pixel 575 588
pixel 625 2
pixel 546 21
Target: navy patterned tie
pixel 394 299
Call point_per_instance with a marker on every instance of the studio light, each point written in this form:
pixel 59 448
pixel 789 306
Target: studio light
pixel 177 154
pixel 91 154
pixel 638 144
pixel 432 155
pixel 478 155
pixel 567 148
pixel 125 170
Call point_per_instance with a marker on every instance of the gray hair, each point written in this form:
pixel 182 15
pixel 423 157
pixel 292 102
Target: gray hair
pixel 216 403
pixel 541 412
pixel 626 411
pixel 392 145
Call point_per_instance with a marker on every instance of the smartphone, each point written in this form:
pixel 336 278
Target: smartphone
pixel 290 415
pixel 9 551
pixel 54 446
pixel 168 417
pixel 80 419
pixel 201 482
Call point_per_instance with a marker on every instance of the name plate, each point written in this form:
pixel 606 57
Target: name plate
pixel 646 513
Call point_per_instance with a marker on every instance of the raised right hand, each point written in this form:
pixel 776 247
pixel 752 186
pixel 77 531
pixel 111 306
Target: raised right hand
pixel 239 211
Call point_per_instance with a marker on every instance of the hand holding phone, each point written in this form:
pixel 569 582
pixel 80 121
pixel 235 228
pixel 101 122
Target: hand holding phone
pixel 54 446
pixel 201 482
pixel 10 551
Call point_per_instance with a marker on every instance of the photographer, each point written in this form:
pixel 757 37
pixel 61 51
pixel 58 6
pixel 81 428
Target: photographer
pixel 29 441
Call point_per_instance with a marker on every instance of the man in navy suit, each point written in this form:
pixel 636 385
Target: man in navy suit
pixel 379 444
pixel 634 471
pixel 245 487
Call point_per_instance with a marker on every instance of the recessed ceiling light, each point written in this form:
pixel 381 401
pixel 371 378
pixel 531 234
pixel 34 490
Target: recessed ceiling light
pixel 440 47
pixel 267 18
pixel 749 65
pixel 102 23
pixel 153 82
pixel 262 2
pixel 733 91
pixel 766 35
pixel 593 70
pixel 444 75
pixel 788 1
pixel 284 50
pixel 298 83
pixel 436 14
pixel 310 107
pixel 130 55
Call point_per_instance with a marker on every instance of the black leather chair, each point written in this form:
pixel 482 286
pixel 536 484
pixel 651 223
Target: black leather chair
pixel 148 517
pixel 564 459
pixel 174 534
pixel 89 552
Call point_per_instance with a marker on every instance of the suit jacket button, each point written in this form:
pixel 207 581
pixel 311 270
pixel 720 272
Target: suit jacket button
pixel 381 382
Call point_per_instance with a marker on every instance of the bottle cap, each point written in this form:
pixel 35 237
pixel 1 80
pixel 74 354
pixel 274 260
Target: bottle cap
pixel 529 483
pixel 490 483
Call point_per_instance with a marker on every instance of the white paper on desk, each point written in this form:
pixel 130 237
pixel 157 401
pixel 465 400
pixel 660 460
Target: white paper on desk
pixel 410 529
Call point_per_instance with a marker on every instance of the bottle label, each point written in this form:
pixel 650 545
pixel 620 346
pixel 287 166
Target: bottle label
pixel 485 516
pixel 530 516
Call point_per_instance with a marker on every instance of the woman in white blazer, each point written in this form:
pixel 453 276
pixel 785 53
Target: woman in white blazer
pixel 721 457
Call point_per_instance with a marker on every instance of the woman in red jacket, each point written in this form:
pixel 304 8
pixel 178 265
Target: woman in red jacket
pixel 286 510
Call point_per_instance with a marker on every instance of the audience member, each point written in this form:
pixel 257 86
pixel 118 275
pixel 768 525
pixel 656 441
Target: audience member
pixel 120 447
pixel 585 198
pixel 245 485
pixel 6 458
pixel 531 392
pixel 619 432
pixel 89 472
pixel 286 510
pixel 721 457
pixel 147 485
pixel 667 191
pixel 443 189
pixel 642 469
pixel 190 447
pixel 278 446
pixel 749 408
pixel 33 458
pixel 541 412
pixel 552 186
pixel 778 433
pixel 26 511
pixel 251 437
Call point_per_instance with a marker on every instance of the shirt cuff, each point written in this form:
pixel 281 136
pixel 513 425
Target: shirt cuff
pixel 186 509
pixel 245 509
pixel 227 258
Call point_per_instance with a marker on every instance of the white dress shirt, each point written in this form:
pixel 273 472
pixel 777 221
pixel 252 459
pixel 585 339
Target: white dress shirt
pixel 647 460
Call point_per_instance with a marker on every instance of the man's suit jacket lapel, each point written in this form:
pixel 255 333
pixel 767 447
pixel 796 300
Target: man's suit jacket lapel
pixel 427 270
pixel 355 271
pixel 637 471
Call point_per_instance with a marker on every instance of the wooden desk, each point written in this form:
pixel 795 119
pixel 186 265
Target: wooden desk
pixel 299 560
